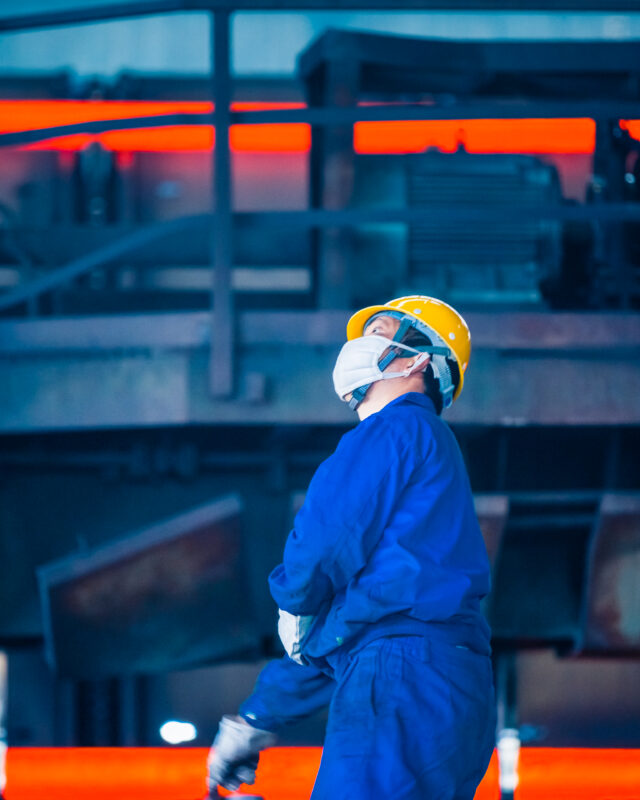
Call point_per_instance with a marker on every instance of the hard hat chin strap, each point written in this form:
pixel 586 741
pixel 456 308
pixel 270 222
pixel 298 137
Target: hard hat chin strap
pixel 442 372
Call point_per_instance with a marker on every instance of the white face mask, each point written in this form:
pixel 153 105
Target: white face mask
pixel 357 363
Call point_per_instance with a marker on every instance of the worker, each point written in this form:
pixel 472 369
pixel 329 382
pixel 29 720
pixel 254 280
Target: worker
pixel 381 584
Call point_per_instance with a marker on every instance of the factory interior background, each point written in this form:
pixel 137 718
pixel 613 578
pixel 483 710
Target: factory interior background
pixel 193 200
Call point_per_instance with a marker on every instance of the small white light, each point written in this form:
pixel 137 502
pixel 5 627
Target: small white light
pixel 174 732
pixel 452 336
pixel 508 747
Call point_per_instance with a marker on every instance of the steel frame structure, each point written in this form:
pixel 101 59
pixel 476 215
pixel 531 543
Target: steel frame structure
pixel 223 322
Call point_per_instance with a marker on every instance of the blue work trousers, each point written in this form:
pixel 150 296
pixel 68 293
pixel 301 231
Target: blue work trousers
pixel 410 719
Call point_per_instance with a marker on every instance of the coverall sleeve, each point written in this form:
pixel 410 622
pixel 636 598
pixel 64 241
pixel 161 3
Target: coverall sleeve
pixel 286 692
pixel 348 504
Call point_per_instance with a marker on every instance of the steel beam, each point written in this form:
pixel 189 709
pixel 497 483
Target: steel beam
pixel 95 13
pixel 222 324
pixel 583 335
pixel 527 368
pixel 157 386
pixel 332 176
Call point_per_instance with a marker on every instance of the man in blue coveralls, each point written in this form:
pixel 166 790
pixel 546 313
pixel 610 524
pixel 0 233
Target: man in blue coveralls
pixel 381 583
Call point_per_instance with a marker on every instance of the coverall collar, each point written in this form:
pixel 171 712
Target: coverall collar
pixel 412 397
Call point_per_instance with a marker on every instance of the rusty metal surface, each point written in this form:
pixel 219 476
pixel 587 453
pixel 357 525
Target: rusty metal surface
pixel 612 613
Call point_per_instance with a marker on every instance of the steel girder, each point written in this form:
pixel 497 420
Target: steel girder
pixel 69 13
pixel 152 370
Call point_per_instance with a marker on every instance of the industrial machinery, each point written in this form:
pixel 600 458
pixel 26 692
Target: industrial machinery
pixel 149 304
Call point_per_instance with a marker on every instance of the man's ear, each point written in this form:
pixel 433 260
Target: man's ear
pixel 419 365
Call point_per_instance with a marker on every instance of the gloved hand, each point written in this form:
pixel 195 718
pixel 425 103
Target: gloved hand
pixel 233 758
pixel 292 631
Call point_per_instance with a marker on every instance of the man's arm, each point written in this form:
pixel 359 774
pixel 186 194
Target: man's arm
pixel 286 692
pixel 349 502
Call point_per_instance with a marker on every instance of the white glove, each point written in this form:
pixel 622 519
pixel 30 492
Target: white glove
pixel 292 631
pixel 233 757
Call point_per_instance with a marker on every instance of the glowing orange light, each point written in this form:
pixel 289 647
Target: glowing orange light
pixel 477 136
pixel 574 136
pixel 18 115
pixel 288 773
pixel 632 126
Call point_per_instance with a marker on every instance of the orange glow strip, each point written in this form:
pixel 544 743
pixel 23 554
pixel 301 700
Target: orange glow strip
pixel 288 773
pixel 477 136
pixel 19 115
pixel 576 136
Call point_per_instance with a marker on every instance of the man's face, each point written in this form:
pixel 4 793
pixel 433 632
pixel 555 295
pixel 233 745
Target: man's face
pixel 382 326
pixel 388 326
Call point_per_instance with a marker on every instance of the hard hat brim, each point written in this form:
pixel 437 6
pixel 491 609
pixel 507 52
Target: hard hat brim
pixel 358 322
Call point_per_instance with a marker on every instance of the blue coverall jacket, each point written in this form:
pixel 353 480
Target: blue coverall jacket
pixel 387 554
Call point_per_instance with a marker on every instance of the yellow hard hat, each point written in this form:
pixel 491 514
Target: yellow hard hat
pixel 440 322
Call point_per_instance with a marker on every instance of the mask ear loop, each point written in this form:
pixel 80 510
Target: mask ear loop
pixel 414 368
pixel 422 358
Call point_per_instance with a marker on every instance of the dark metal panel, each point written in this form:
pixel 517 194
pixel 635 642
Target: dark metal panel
pixel 612 607
pixel 537 588
pixel 103 609
pixel 402 64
